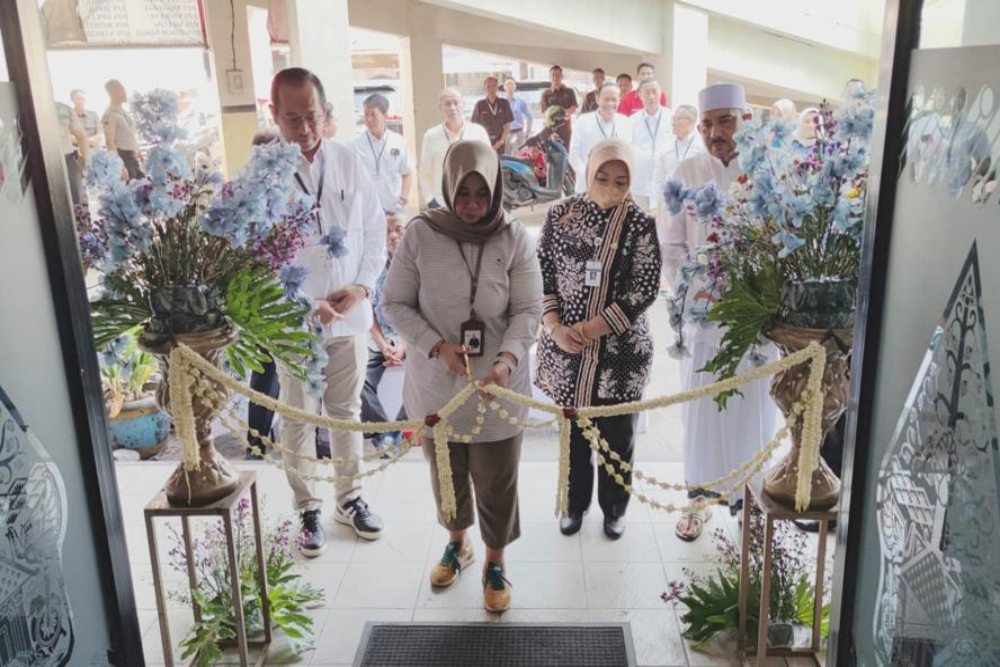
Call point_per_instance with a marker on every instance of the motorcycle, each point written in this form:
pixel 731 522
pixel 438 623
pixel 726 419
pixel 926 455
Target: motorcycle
pixel 541 173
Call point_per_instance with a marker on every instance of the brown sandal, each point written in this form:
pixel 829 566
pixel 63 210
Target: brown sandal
pixel 696 521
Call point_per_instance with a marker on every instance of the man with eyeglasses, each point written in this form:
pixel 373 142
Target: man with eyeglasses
pixel 714 442
pixel 438 139
pixel 340 284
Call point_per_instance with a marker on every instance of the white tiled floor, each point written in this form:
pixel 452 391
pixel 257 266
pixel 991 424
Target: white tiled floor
pixel 581 578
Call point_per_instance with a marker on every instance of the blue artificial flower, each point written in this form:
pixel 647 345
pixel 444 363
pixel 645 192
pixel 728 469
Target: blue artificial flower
pixel 855 121
pixel 699 310
pixel 790 242
pixel 103 169
pixel 166 164
pixel 752 157
pixel 292 277
pixel 756 357
pixel 707 202
pixel 674 194
pixel 114 351
pixel 822 193
pixel 155 116
pixel 334 241
pixel 798 207
pixel 780 131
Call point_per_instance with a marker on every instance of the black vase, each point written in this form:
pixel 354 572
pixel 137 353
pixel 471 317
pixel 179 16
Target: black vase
pixel 818 304
pixel 184 309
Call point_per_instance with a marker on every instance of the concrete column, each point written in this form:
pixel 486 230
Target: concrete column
pixel 421 71
pixel 320 40
pixel 981 23
pixel 228 38
pixel 687 28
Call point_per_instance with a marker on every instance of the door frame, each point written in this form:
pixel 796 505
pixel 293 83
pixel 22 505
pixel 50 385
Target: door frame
pixel 900 36
pixel 27 64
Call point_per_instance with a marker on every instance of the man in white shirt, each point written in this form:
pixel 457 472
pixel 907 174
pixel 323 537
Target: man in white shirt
pixel 684 143
pixel 340 287
pixel 590 128
pixel 385 156
pixel 436 142
pixel 119 131
pixel 715 443
pixel 650 138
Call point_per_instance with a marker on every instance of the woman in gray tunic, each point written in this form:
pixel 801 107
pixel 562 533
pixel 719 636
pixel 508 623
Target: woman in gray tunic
pixel 466 279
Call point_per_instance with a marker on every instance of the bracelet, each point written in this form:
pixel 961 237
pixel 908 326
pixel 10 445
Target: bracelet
pixel 500 361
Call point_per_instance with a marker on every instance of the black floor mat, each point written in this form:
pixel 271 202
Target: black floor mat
pixel 495 645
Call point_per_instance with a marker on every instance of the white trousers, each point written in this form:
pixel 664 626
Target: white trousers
pixel 345 377
pixel 717 442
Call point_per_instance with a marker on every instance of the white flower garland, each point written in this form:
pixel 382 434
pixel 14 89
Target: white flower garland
pixel 191 375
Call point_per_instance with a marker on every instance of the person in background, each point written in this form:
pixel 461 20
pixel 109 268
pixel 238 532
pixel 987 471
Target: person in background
pixel 385 348
pixel 590 101
pixel 624 83
pixel 684 143
pixel 804 137
pixel 600 273
pixel 784 109
pixel 437 140
pixel 563 96
pixel 73 140
pixel 520 127
pixel 714 442
pixel 651 134
pixel 465 281
pixel 119 131
pixel 90 121
pixel 385 155
pixel 494 113
pixel 329 122
pixel 340 289
pixel 631 101
pixel 605 123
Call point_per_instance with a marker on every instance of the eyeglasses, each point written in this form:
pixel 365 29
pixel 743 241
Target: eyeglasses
pixel 311 119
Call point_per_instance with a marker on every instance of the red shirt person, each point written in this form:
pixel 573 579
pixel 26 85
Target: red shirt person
pixel 631 102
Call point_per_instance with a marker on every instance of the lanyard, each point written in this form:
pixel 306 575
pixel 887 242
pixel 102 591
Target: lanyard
pixel 680 158
pixel 473 274
pixel 378 157
pixel 494 108
pixel 319 190
pixel 448 136
pixel 600 126
pixel 653 133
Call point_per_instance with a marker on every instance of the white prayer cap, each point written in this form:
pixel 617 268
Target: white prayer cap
pixel 722 96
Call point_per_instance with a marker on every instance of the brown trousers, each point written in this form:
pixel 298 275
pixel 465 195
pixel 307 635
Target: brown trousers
pixel 492 469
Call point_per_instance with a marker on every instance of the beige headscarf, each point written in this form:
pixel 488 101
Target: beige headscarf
pixel 462 159
pixel 609 150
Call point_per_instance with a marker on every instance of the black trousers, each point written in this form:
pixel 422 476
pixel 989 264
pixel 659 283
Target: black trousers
pixel 371 406
pixel 260 418
pixel 131 160
pixel 613 499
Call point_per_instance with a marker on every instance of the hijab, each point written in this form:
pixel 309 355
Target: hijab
pixel 609 150
pixel 462 159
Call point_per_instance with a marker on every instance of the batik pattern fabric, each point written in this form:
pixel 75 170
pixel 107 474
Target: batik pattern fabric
pixel 623 240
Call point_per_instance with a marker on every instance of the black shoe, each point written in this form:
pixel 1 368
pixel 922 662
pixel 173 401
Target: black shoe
pixel 810 526
pixel 312 537
pixel 614 527
pixel 356 514
pixel 570 524
pixel 735 507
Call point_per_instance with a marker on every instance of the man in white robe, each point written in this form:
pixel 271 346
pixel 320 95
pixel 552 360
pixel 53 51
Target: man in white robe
pixel 715 442
pixel 590 128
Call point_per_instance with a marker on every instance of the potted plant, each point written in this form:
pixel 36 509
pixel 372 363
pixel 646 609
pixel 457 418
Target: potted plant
pixel 781 264
pixel 712 600
pixel 129 379
pixel 192 259
pixel 288 596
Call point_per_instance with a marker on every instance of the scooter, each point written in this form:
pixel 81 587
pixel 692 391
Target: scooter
pixel 521 184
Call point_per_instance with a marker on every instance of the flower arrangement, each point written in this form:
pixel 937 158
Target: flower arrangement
pixel 182 227
pixel 712 599
pixel 126 372
pixel 792 219
pixel 288 597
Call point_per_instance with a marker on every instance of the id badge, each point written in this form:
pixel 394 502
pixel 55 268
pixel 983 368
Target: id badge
pixel 473 337
pixel 592 273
